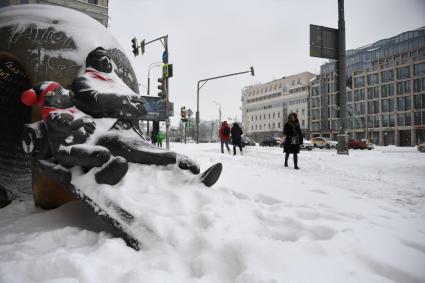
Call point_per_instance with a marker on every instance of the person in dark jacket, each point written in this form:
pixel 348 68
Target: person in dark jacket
pixel 293 139
pixel 236 133
pixel 224 135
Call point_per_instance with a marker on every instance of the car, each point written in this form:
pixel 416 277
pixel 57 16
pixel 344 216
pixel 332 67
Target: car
pixel 356 144
pixel 307 145
pixel 421 147
pixel 322 142
pixel 271 142
pixel 368 144
pixel 246 141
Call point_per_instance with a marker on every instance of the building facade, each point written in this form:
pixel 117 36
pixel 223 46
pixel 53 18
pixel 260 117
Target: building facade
pixel 97 9
pixel 385 92
pixel 265 107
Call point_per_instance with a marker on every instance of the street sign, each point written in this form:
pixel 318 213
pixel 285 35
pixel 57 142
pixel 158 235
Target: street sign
pixel 189 113
pixel 323 42
pixel 188 125
pixel 165 57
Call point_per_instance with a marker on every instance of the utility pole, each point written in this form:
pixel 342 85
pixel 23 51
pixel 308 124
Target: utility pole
pixel 342 81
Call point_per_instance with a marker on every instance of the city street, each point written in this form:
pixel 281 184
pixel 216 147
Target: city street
pixel 355 218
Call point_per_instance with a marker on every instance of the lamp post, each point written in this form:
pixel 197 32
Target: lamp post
pixel 219 110
pixel 204 81
pixel 151 66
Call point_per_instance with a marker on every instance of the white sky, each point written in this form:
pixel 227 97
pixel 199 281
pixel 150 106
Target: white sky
pixel 211 38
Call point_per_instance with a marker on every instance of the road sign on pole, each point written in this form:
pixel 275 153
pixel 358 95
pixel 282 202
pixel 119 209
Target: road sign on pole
pixel 323 42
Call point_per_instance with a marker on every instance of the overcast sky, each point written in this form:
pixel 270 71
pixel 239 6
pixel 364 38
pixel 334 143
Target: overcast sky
pixel 210 38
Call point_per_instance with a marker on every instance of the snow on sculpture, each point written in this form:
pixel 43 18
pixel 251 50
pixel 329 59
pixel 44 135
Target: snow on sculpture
pixel 99 93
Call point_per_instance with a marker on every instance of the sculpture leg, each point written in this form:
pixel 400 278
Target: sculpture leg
pixel 140 151
pixel 82 155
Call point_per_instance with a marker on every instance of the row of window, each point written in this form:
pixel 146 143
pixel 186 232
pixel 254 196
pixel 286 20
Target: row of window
pixel 387 90
pixel 388 75
pixel 374 121
pixel 265 97
pixel 385 120
pixel 273 115
pixel 271 126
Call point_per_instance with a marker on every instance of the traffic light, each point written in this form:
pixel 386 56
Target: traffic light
pixel 252 71
pixel 163 91
pixel 142 46
pixel 135 47
pixel 183 113
pixel 167 71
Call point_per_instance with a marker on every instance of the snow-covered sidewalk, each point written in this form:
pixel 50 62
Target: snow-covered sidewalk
pixel 356 218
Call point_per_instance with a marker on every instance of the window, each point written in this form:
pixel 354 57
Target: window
pixel 373 92
pixel 419 85
pixel 387 76
pixel 387 90
pixel 419 69
pixel 403 87
pixel 359 94
pixel 359 82
pixel 387 105
pixel 93 2
pixel 419 101
pixel 403 73
pixel 372 79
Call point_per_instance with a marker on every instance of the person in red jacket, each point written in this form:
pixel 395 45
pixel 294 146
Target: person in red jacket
pixel 224 134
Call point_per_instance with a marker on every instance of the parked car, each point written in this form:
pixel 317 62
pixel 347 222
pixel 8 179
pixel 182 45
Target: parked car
pixel 246 141
pixel 271 142
pixel 356 144
pixel 322 142
pixel 368 144
pixel 307 145
pixel 421 147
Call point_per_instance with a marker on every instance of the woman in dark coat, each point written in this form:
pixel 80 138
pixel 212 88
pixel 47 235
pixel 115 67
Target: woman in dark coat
pixel 293 139
pixel 237 133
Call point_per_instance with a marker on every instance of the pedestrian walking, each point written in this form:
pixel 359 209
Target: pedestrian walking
pixel 224 135
pixel 236 133
pixel 293 139
pixel 153 137
pixel 159 138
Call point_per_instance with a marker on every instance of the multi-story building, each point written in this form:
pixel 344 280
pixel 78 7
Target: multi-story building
pixel 97 9
pixel 265 107
pixel 385 92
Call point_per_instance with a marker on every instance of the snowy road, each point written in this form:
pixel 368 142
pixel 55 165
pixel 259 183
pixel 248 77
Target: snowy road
pixel 356 218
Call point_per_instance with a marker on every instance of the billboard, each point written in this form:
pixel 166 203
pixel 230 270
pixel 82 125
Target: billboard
pixel 156 107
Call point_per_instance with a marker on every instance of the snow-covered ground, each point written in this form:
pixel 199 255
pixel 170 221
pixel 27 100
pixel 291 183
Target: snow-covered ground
pixel 356 218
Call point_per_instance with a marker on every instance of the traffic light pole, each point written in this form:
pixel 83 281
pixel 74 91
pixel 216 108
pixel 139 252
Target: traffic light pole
pixel 167 93
pixel 342 81
pixel 204 81
pixel 167 89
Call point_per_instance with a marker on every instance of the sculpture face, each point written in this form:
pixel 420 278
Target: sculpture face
pixel 99 60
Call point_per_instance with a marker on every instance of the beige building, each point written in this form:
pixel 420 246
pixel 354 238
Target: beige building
pixel 97 9
pixel 265 107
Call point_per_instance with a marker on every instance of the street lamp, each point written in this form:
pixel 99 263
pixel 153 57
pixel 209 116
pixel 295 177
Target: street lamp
pixel 153 65
pixel 204 81
pixel 219 110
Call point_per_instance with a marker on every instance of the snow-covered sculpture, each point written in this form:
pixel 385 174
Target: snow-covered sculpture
pixel 67 129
